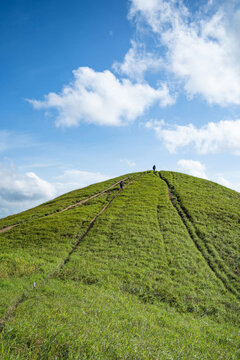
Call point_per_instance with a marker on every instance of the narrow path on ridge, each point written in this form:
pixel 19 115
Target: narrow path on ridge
pixel 89 228
pixel 10 312
pixel 7 228
pixel 183 216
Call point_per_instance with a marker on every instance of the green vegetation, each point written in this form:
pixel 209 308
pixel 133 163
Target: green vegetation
pixel 144 283
pixel 212 215
pixel 61 202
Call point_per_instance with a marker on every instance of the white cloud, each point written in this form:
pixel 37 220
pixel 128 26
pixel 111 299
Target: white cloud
pixel 158 13
pixel 137 61
pixel 211 138
pixel 128 162
pixel 21 191
pixel 20 187
pixel 101 98
pixel 202 51
pixel 194 168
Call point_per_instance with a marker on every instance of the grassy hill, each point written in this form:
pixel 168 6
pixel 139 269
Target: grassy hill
pixel 149 272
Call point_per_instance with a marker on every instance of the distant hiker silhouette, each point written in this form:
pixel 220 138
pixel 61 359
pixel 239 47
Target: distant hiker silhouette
pixel 121 185
pixel 154 167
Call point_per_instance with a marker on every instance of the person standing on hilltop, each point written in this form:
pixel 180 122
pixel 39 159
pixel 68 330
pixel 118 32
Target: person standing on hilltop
pixel 154 167
pixel 121 185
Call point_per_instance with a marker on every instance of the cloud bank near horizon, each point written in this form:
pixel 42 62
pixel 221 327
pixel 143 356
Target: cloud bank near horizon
pixel 198 169
pixel 21 191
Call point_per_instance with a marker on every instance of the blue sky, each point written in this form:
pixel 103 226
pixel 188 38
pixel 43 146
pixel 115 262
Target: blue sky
pixel 94 89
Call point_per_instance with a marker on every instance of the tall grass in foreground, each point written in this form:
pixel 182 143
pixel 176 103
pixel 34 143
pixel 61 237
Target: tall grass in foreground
pixel 137 287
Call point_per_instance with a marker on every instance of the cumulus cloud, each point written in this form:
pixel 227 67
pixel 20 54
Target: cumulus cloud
pixel 212 138
pixel 21 191
pixel 137 61
pixel 191 167
pixel 103 99
pixel 27 186
pixel 202 50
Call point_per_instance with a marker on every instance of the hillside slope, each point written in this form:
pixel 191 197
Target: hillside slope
pixel 149 272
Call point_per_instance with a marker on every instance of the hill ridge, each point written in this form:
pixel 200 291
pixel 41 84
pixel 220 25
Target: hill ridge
pixel 24 295
pixel 68 207
pixel 137 287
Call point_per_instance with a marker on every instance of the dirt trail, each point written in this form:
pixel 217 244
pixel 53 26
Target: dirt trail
pixel 85 233
pixel 183 216
pixel 90 227
pixel 169 194
pixel 91 197
pixel 79 203
pixel 7 228
pixel 24 296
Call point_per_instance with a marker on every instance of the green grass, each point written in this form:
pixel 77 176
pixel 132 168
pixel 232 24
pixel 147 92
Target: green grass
pixel 212 215
pixel 138 286
pixel 31 251
pixel 59 203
